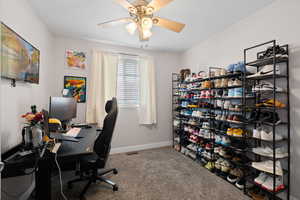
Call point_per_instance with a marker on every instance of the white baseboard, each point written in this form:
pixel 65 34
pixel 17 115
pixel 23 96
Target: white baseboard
pixel 140 147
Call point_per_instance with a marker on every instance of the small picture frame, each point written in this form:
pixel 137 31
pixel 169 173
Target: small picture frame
pixel 76 59
pixel 75 86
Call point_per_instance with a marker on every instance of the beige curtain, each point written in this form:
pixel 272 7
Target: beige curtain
pixel 147 107
pixel 102 86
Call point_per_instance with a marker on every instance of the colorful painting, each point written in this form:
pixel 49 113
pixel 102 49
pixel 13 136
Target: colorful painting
pixel 76 59
pixel 20 60
pixel 75 87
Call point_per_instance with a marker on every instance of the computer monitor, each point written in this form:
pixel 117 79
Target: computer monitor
pixel 63 108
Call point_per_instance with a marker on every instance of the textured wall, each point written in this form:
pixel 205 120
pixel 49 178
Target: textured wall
pixel 278 21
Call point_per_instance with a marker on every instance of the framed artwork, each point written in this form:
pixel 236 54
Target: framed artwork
pixel 20 59
pixel 75 59
pixel 75 86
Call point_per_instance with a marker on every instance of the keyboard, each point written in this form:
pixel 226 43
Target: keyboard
pixel 73 132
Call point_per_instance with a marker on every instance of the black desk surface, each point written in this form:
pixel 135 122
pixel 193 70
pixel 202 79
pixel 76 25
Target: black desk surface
pixel 84 146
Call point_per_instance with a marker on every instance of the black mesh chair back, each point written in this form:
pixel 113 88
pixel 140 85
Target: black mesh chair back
pixel 102 144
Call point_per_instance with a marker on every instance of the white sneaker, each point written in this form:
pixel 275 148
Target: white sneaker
pixel 227 104
pixel 256 133
pixel 261 178
pixel 266 70
pixel 268 184
pixel 265 86
pixel 267 166
pixel 280 152
pixel 268 136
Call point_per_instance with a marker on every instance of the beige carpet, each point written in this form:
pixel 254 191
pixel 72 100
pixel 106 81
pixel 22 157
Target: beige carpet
pixel 158 174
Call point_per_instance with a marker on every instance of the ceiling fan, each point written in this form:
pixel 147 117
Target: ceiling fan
pixel 142 19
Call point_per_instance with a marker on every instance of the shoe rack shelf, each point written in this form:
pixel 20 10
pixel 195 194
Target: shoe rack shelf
pixel 175 104
pixel 282 62
pixel 240 147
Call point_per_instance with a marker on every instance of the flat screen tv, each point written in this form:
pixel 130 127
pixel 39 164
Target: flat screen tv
pixel 19 59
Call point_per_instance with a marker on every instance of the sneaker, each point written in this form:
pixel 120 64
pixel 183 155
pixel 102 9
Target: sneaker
pixel 266 70
pixel 237 108
pixel 230 83
pixel 225 141
pixel 265 86
pixel 271 103
pixel 219 93
pixel 238 92
pixel 209 94
pixel 208 146
pixel 217 72
pixel 205 125
pixel 218 83
pixel 268 136
pixel 240 67
pixel 256 133
pixel 237 82
pixel 210 166
pixel 229 131
pixel 269 117
pixel 227 104
pixel 203 94
pixel 234 175
pixel 225 93
pixel 219 104
pixel 262 177
pixel 230 118
pixel 238 132
pixel 224 83
pixel 267 166
pixel 230 68
pixel 236 119
pixel 240 183
pixel 218 117
pixel 218 139
pixel 231 92
pixel 269 184
pixel 225 167
pixel 223 72
pixel 280 152
pixel 279 52
pixel 231 107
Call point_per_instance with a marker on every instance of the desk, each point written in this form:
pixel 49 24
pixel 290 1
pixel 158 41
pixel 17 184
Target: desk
pixel 67 151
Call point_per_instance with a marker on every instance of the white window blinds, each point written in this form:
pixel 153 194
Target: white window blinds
pixel 128 81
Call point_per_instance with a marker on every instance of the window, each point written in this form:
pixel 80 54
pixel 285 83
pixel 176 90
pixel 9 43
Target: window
pixel 128 81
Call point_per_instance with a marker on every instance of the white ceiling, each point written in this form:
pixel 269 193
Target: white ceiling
pixel 79 19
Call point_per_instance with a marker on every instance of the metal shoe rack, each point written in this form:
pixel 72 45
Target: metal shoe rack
pixel 277 80
pixel 175 105
pixel 248 103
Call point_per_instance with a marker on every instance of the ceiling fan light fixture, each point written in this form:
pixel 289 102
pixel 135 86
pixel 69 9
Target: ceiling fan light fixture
pixel 147 23
pixel 131 28
pixel 149 10
pixel 147 33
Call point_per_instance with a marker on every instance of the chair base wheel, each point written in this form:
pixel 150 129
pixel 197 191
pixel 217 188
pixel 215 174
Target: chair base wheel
pixel 115 188
pixel 115 171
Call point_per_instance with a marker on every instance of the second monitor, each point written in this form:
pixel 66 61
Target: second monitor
pixel 63 108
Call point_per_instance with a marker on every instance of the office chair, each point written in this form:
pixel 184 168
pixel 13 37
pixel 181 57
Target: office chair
pixel 92 167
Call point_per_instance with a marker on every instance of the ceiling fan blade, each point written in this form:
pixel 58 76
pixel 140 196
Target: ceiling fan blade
pixel 158 4
pixel 168 24
pixel 125 4
pixel 115 22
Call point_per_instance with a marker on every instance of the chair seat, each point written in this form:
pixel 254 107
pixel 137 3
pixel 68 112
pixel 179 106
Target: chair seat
pixel 91 162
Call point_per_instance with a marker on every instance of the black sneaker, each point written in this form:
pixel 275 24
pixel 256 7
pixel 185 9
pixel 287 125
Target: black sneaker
pixel 269 117
pixel 240 183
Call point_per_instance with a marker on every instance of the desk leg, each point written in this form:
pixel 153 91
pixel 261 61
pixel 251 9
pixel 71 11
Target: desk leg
pixel 43 180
